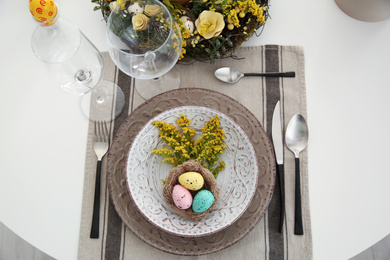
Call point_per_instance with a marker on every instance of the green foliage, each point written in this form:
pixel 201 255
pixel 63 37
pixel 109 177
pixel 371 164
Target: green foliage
pixel 198 7
pixel 104 6
pixel 120 22
pixel 218 47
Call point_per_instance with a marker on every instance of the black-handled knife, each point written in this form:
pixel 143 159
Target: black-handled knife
pixel 277 139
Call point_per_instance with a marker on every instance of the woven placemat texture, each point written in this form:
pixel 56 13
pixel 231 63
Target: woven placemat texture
pixel 259 96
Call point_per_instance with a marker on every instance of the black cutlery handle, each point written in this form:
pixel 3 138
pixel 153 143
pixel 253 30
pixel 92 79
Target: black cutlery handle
pixel 282 196
pixel 96 204
pixel 289 74
pixel 298 226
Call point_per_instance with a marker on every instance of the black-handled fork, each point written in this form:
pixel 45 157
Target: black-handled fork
pixel 100 148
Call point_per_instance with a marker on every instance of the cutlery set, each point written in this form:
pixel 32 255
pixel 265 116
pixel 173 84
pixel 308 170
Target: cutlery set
pixel 296 139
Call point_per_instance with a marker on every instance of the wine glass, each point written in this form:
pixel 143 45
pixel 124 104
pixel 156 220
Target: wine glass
pixel 144 41
pixel 77 66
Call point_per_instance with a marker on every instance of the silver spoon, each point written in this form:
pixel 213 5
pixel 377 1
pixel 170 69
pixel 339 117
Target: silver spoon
pixel 231 75
pixel 297 135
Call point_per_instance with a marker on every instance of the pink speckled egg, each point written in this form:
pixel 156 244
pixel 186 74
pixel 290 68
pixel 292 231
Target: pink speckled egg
pixel 181 197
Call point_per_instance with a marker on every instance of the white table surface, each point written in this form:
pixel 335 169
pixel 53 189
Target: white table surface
pixel 43 133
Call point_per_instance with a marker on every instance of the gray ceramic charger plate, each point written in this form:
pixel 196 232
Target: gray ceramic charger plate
pixel 149 233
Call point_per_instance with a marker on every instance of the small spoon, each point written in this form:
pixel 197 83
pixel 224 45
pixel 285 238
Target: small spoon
pixel 297 136
pixel 231 75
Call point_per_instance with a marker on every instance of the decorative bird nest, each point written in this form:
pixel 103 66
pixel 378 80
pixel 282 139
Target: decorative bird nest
pixel 210 29
pixel 210 184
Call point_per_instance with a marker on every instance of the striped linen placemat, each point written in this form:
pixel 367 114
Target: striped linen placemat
pixel 259 96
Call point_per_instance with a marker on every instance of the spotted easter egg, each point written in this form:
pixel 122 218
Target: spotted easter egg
pixel 43 10
pixel 191 180
pixel 202 201
pixel 136 8
pixel 181 197
pixel 188 23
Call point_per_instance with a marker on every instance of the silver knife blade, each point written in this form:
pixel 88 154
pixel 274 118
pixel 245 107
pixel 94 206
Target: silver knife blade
pixel 277 139
pixel 277 135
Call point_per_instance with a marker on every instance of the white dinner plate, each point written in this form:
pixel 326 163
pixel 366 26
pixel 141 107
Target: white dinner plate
pixel 237 182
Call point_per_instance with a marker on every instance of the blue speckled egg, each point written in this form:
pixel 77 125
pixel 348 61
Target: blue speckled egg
pixel 202 201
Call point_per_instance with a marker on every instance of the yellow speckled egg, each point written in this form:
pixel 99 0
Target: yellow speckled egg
pixel 43 10
pixel 191 180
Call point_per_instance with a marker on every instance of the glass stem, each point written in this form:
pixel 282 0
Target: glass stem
pixel 99 99
pixel 150 57
pixel 85 77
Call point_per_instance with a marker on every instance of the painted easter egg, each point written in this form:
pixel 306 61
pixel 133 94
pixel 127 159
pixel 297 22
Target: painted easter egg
pixel 202 201
pixel 191 180
pixel 181 197
pixel 43 10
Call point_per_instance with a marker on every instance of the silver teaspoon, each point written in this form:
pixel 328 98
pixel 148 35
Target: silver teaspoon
pixel 297 135
pixel 231 75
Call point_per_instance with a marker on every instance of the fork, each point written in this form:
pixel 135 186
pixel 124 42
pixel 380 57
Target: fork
pixel 101 148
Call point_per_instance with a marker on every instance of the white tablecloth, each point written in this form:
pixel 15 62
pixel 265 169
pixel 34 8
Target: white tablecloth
pixel 43 134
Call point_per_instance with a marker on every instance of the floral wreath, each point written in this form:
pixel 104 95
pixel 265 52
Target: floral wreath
pixel 210 29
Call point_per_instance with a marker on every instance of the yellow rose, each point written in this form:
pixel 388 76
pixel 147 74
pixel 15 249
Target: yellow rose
pixel 152 10
pixel 140 22
pixel 210 24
